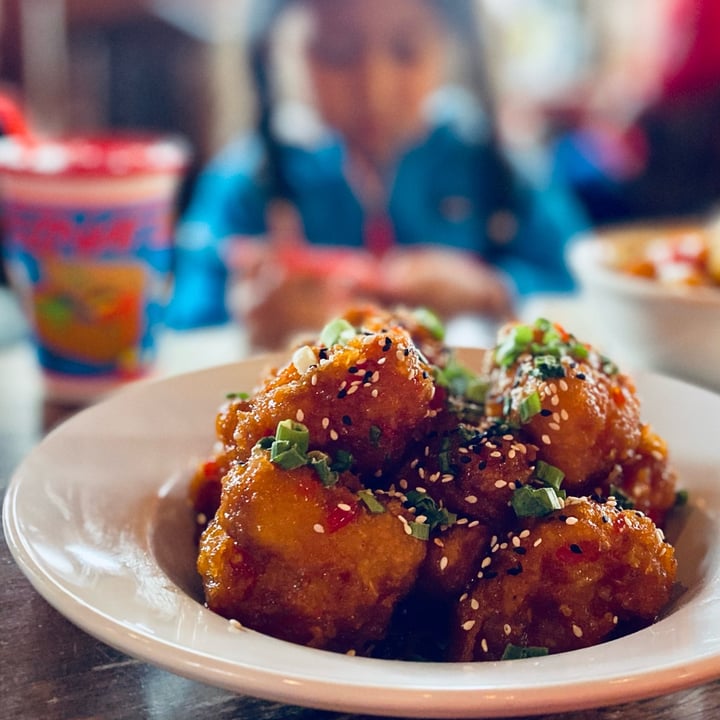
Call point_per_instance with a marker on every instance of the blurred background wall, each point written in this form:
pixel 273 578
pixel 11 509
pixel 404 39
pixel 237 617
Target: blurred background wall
pixel 180 64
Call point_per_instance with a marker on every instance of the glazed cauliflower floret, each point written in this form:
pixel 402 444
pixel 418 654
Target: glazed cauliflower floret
pixel 582 413
pixel 565 581
pixel 362 396
pixel 287 556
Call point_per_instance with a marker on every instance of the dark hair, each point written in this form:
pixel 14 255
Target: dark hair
pixel 462 19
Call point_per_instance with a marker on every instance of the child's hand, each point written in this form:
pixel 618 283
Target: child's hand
pixel 449 281
pixel 291 291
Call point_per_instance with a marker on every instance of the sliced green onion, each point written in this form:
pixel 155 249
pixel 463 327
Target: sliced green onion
pixel 337 332
pixel 514 344
pixel 623 500
pixel 529 406
pixel 288 458
pixel 266 442
pixel 518 652
pixel 343 461
pixel 548 366
pixel 430 321
pixel 535 502
pixel 320 463
pixel 425 505
pixel 294 433
pixel 371 502
pixel 237 396
pixel 549 474
pixel 419 530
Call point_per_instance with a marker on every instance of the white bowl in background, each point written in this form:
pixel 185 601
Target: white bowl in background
pixel 640 322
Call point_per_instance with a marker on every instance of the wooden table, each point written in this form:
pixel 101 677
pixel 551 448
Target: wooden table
pixel 49 669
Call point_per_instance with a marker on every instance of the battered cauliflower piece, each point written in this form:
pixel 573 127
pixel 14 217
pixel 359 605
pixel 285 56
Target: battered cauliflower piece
pixel 363 396
pixel 574 404
pixel 315 565
pixel 470 470
pixel 568 580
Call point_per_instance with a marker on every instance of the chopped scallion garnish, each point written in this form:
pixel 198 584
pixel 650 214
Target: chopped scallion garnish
pixel 430 321
pixel 529 406
pixel 419 530
pixel 294 433
pixel 518 652
pixel 337 332
pixel 535 502
pixel 371 502
pixel 549 474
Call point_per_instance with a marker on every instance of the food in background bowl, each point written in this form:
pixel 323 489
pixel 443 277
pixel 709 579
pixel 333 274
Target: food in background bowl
pixel 674 256
pixel 652 299
pixel 374 496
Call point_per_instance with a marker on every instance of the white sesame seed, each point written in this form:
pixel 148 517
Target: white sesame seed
pixel 334 435
pixel 525 533
pixel 471 499
pixel 554 400
pixel 564 414
pixel 468 625
pixel 381 361
pixel 500 484
pixel 318 528
pixel 537 542
pixel 507 629
pixel 352 389
pixel 443 562
pixel 486 561
pixel 314 380
pixel 546 440
pixel 484 645
pixel 516 541
pixel 299 415
pixel 325 422
pixel 577 631
pixel 553 426
pixel 234 625
pixel 474 604
pixel 344 506
pixel 571 520
pixel 495 454
pixel 374 392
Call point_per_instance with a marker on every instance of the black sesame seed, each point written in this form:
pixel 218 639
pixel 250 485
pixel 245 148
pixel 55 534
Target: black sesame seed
pixel 347 420
pixel 519 550
pixel 342 394
pixel 515 570
pixel 323 353
pixel 388 344
pixel 352 369
pixel 545 412
pixel 482 464
pixel 575 549
pixel 580 376
pixel 464 459
pixel 490 574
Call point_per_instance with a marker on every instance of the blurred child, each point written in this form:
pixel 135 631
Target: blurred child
pixel 393 163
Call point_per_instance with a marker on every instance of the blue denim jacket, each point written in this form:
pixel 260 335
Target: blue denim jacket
pixel 446 191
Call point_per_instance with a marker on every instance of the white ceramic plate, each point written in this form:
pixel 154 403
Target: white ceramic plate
pixel 96 517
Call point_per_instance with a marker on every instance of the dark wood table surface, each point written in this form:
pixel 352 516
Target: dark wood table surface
pixel 51 669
